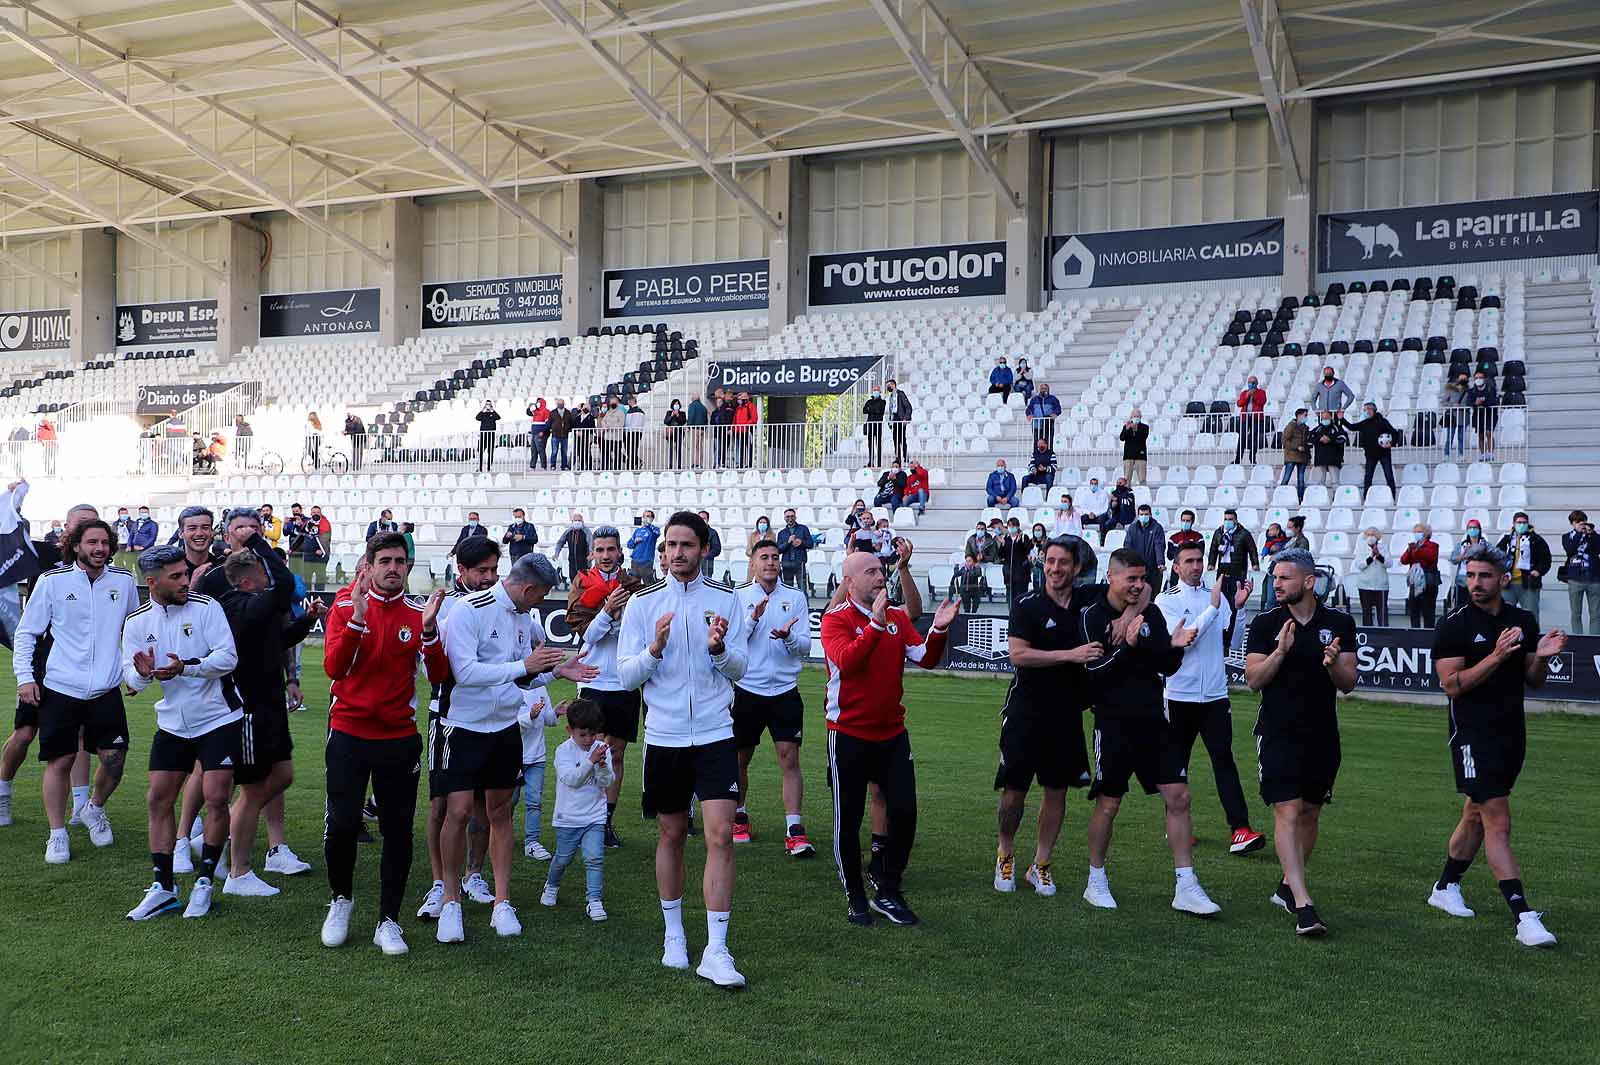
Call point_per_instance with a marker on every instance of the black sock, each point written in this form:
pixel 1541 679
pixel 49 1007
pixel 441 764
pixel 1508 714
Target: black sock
pixel 1512 890
pixel 163 865
pixel 879 842
pixel 1285 894
pixel 1454 870
pixel 208 859
pixel 611 808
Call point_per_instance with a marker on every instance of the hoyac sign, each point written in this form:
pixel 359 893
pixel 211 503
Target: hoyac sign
pixel 1480 231
pixel 35 330
pixel 944 271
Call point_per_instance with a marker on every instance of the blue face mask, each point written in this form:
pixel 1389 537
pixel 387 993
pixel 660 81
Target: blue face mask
pixel 1144 519
pixel 1187 526
pixel 1230 525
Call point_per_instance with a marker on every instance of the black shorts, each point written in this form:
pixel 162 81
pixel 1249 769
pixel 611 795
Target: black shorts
pixel 1046 746
pixel 463 760
pixel 217 749
pixel 264 738
pixel 1125 747
pixel 102 721
pixel 621 710
pixel 1297 767
pixel 1487 763
pixel 672 775
pixel 27 715
pixel 782 715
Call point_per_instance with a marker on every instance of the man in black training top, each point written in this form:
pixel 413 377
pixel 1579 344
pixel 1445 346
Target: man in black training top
pixel 1299 656
pixel 1131 734
pixel 1485 653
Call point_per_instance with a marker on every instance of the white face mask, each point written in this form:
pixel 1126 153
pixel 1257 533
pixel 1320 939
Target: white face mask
pixel 1372 540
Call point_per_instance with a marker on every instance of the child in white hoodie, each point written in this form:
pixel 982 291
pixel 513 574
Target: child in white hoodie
pixel 538 713
pixel 583 773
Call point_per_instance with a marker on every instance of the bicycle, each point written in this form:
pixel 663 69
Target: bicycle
pixel 327 461
pixel 267 463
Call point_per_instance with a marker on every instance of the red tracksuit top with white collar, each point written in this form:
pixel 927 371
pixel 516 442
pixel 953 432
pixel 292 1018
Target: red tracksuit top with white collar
pixel 866 667
pixel 373 666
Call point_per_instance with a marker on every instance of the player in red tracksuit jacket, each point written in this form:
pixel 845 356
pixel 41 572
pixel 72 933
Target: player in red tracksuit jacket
pixel 867 644
pixel 375 634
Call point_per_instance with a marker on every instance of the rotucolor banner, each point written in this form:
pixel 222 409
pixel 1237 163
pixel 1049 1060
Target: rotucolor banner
pixel 1209 252
pixel 699 288
pixel 35 330
pixel 1532 227
pixel 936 272
pixel 492 301
pixel 789 377
pixel 313 314
pixel 166 323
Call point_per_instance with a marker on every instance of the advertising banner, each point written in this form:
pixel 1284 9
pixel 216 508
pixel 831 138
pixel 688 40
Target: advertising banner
pixel 35 330
pixel 182 321
pixel 492 301
pixel 936 272
pixel 700 288
pixel 1167 254
pixel 310 314
pixel 160 399
pixel 1476 231
pixel 790 377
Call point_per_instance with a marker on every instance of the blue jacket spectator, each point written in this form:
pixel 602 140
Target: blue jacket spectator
pixel 642 544
pixel 794 541
pixel 1044 405
pixel 1000 379
pixel 1147 537
pixel 144 535
pixel 1001 488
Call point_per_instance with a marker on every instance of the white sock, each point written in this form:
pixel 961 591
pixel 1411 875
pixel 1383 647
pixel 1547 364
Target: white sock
pixel 198 829
pixel 54 832
pixel 672 914
pixel 1185 873
pixel 439 884
pixel 717 929
pixel 5 787
pixel 741 809
pixel 80 795
pixel 1097 876
pixel 791 820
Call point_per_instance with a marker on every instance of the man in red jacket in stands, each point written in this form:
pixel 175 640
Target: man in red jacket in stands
pixel 867 644
pixel 375 634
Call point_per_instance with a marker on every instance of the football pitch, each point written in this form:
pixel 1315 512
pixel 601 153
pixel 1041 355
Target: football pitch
pixel 986 978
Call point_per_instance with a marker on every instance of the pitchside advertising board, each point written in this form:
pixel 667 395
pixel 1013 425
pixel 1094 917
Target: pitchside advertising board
pixel 492 301
pixel 35 330
pixel 936 272
pixel 1167 255
pixel 166 323
pixel 313 314
pixel 789 377
pixel 1533 227
pixel 700 288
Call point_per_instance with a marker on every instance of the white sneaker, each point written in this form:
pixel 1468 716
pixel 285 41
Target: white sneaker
pixel 547 897
pixel 1448 899
pixel 5 810
pixel 1190 897
pixel 1043 883
pixel 57 850
pixel 249 884
pixel 535 850
pixel 432 903
pixel 504 919
pixel 450 929
pixel 675 952
pixel 476 888
pixel 157 901
pixel 181 862
pixel 1005 874
pixel 336 926
pixel 389 938
pixel 1531 931
pixel 197 840
pixel 1099 895
pixel 200 898
pixel 595 910
pixel 94 817
pixel 716 965
pixel 281 859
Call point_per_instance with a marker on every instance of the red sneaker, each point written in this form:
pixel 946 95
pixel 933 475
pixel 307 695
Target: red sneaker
pixel 741 832
pixel 1245 840
pixel 797 846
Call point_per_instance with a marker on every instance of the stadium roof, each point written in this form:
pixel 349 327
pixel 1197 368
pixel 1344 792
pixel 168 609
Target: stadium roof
pixel 124 113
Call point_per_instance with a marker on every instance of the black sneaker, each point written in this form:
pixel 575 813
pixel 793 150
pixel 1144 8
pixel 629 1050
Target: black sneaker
pixel 363 836
pixel 874 871
pixel 693 831
pixel 612 839
pixel 894 908
pixel 369 810
pixel 1282 897
pixel 860 916
pixel 1307 923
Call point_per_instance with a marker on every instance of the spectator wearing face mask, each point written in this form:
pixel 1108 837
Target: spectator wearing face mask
pixel 674 421
pixel 1041 467
pixel 1043 410
pixel 1069 520
pixel 981 545
pixel 1096 501
pixel 891 488
pixel 917 493
pixel 762 531
pixel 968 583
pixel 1372 580
pixel 574 540
pixel 1147 537
pixel 1186 533
pixel 1120 509
pixel 538 433
pixel 1296 452
pixel 1016 557
pixel 873 409
pixel 1469 540
pixel 1333 394
pixel 794 544
pixel 642 544
pixel 1421 559
pixel 1272 541
pixel 1001 487
pixel 1233 556
pixel 1000 379
pixel 1481 403
pixel 1455 415
pixel 1581 571
pixel 858 513
pixel 697 418
pixel 1041 540
pixel 1135 447
pixel 1378 439
pixel 1328 440
pixel 1252 404
pixel 1528 556
pixel 487 419
pixel 521 535
pixel 899 405
pixel 1023 385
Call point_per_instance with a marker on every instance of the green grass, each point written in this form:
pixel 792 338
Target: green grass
pixel 987 978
